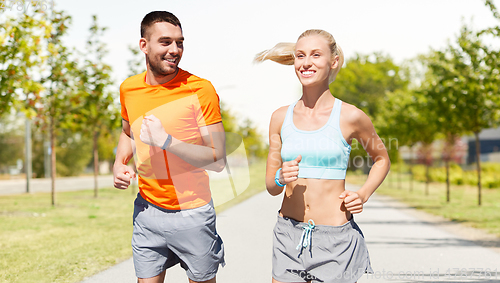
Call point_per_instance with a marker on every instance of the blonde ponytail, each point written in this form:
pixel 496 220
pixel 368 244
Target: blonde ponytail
pixel 283 53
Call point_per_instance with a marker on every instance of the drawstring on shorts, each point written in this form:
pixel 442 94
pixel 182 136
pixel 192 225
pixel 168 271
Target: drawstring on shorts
pixel 305 239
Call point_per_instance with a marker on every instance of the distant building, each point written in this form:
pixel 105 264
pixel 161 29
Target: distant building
pixel 465 149
pixel 489 146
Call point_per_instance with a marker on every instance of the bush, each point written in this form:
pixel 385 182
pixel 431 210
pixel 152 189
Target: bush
pixel 490 167
pixel 470 177
pixel 400 167
pixel 460 177
pixel 438 174
pixel 419 172
pixel 490 182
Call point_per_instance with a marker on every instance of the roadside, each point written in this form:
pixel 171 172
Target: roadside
pixel 462 206
pixel 405 245
pixel 18 186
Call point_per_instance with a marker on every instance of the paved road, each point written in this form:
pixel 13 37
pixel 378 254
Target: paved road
pixel 18 186
pixel 404 245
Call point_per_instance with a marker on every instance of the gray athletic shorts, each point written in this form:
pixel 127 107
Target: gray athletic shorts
pixel 162 238
pixel 334 253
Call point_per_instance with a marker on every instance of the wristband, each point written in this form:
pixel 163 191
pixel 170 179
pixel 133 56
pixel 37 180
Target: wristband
pixel 277 178
pixel 167 143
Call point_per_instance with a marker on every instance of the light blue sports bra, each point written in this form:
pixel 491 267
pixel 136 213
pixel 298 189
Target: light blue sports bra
pixel 325 152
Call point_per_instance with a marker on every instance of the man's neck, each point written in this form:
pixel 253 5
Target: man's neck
pixel 152 79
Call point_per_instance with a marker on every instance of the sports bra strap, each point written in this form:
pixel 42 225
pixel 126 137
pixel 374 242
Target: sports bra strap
pixel 336 110
pixel 289 114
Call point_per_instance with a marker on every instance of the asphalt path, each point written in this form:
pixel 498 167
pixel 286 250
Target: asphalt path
pixel 405 245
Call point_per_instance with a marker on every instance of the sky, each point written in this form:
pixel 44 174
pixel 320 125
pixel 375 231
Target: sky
pixel 223 36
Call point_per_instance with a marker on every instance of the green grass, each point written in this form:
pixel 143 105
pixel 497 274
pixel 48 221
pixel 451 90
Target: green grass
pixel 78 237
pixel 74 239
pixel 463 206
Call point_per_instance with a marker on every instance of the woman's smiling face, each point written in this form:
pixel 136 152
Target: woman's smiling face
pixel 313 60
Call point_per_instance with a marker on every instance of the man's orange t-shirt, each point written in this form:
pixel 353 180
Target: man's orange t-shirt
pixel 183 105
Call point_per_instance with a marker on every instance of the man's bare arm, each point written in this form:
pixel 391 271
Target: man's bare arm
pixel 123 173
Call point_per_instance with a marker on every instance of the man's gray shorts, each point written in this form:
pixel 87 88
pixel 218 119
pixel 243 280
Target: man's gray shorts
pixel 335 254
pixel 162 238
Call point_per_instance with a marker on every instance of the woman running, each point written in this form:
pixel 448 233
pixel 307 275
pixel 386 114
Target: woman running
pixel 315 237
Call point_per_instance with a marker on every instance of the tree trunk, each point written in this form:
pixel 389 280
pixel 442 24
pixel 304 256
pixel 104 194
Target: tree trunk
pixel 96 164
pixel 427 179
pixel 478 156
pixel 28 158
pixel 411 168
pixel 400 170
pixel 447 162
pixel 52 159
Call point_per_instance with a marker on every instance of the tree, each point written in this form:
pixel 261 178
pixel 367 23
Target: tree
pixel 464 88
pixel 406 116
pixel 493 8
pixel 245 132
pixel 233 138
pixel 20 58
pixel 365 81
pixel 59 78
pixel 252 139
pixel 442 93
pixel 96 112
pixel 37 71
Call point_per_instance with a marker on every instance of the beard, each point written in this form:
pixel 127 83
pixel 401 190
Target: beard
pixel 158 68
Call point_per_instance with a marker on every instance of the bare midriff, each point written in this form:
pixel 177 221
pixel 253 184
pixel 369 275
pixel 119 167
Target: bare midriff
pixel 316 199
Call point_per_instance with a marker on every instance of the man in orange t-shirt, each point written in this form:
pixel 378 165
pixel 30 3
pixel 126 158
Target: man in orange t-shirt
pixel 172 126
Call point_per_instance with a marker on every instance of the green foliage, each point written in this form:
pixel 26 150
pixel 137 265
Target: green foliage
pixel 462 84
pixel 108 140
pixel 96 108
pixel 490 167
pixel 136 65
pixel 366 79
pixel 493 8
pixel 253 140
pixel 247 132
pixel 97 112
pixel 21 56
pixel 228 119
pixel 38 153
pixel 463 87
pixel 489 178
pixel 74 152
pixel 399 167
pixel 11 141
pixel 57 100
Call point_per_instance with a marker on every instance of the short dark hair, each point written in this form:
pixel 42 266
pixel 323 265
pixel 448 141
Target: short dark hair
pixel 158 17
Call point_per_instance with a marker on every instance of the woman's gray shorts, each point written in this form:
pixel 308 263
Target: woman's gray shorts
pixel 162 238
pixel 335 253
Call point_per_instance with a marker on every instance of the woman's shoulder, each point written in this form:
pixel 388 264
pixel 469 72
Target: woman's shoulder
pixel 280 112
pixel 357 120
pixel 351 113
pixel 278 117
